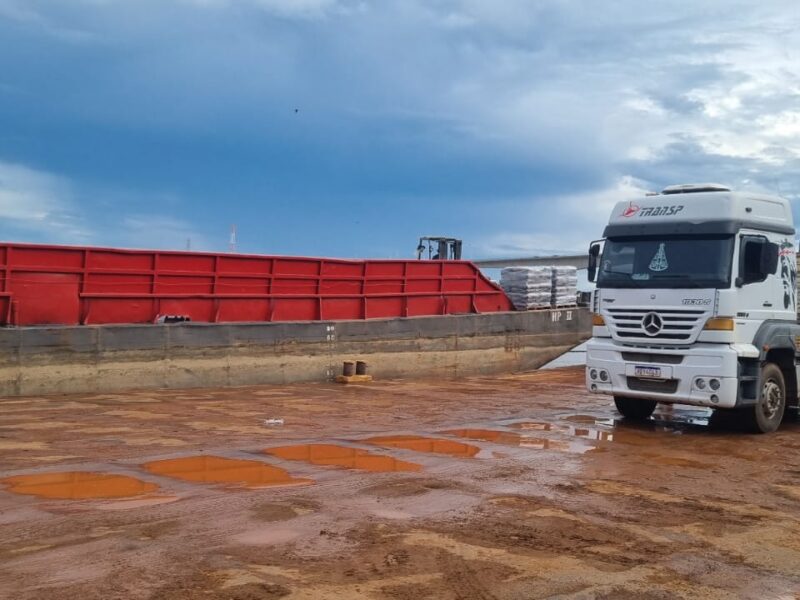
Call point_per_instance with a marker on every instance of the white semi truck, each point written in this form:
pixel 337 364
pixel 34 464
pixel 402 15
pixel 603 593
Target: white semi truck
pixel 695 303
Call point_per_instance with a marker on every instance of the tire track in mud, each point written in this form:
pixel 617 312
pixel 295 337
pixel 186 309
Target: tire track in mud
pixel 463 582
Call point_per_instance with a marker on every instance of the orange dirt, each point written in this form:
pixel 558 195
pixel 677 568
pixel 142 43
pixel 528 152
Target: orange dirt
pixel 558 497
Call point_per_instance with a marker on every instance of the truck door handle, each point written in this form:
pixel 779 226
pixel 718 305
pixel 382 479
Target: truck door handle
pixel 767 304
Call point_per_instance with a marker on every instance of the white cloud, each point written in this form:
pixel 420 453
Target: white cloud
pixel 39 204
pixel 785 124
pixel 36 206
pixel 572 222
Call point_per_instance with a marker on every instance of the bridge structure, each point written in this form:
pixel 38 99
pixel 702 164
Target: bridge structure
pixel 580 261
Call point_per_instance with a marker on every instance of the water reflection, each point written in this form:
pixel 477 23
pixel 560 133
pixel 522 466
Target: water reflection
pixel 424 444
pixel 78 485
pixel 522 441
pixel 342 456
pixel 216 469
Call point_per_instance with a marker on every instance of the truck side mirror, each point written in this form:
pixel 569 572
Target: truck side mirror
pixel 594 253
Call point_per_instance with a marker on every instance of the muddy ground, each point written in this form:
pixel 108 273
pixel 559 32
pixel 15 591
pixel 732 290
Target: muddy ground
pixel 553 496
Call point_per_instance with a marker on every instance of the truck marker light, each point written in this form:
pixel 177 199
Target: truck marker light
pixel 598 320
pixel 719 324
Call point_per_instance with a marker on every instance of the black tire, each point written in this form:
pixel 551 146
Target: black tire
pixel 767 414
pixel 635 409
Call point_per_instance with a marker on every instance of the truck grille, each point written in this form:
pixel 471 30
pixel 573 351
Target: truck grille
pixel 644 357
pixel 665 386
pixel 669 326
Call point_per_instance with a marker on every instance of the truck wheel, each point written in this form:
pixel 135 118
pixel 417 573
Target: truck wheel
pixel 767 414
pixel 635 409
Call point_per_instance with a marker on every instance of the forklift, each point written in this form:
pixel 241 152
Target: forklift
pixel 439 248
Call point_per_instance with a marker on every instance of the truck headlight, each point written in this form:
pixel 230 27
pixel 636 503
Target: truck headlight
pixel 719 324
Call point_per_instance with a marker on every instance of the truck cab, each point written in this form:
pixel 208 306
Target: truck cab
pixel 695 303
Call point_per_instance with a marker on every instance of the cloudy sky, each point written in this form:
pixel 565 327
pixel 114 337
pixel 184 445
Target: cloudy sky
pixel 351 127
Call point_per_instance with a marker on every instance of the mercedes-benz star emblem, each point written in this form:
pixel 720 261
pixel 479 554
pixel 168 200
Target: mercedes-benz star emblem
pixel 652 324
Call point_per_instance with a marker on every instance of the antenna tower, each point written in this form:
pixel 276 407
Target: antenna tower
pixel 232 242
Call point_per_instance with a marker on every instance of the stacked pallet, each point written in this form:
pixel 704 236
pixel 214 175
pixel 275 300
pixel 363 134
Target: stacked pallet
pixel 565 286
pixel 528 287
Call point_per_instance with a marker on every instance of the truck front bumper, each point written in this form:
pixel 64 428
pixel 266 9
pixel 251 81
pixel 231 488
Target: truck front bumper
pixel 679 373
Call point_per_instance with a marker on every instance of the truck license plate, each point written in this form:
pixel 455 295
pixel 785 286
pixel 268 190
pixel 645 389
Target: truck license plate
pixel 648 372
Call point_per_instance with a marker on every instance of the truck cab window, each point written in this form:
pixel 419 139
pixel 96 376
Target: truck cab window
pixel 667 262
pixel 751 258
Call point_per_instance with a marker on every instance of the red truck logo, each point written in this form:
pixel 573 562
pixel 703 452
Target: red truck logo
pixel 631 210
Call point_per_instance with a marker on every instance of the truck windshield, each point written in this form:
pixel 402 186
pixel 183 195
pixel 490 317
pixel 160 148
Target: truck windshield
pixel 666 262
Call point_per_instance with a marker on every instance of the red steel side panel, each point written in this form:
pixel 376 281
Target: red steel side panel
pixel 69 285
pixel 46 298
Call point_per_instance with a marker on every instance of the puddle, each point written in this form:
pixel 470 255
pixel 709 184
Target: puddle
pixel 585 432
pixel 418 443
pixel 590 433
pixel 681 416
pixel 585 419
pixel 677 419
pixel 342 456
pixel 573 447
pixel 216 469
pixel 78 485
pixel 487 435
pixel 522 441
pixel 535 426
pixel 667 417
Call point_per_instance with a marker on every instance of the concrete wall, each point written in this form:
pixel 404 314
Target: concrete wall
pixel 49 360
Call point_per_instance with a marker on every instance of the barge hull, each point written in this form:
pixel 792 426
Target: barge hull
pixel 85 359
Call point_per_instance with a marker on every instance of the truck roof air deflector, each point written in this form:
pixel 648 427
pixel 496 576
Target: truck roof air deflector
pixel 694 188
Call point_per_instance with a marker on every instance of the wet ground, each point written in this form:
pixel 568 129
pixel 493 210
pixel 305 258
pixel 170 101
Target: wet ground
pixel 510 488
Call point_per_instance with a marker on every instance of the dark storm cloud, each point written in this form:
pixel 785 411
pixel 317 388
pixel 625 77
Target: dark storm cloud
pixel 463 116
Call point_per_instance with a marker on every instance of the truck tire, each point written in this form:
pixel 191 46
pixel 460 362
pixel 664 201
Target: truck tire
pixel 767 414
pixel 635 409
